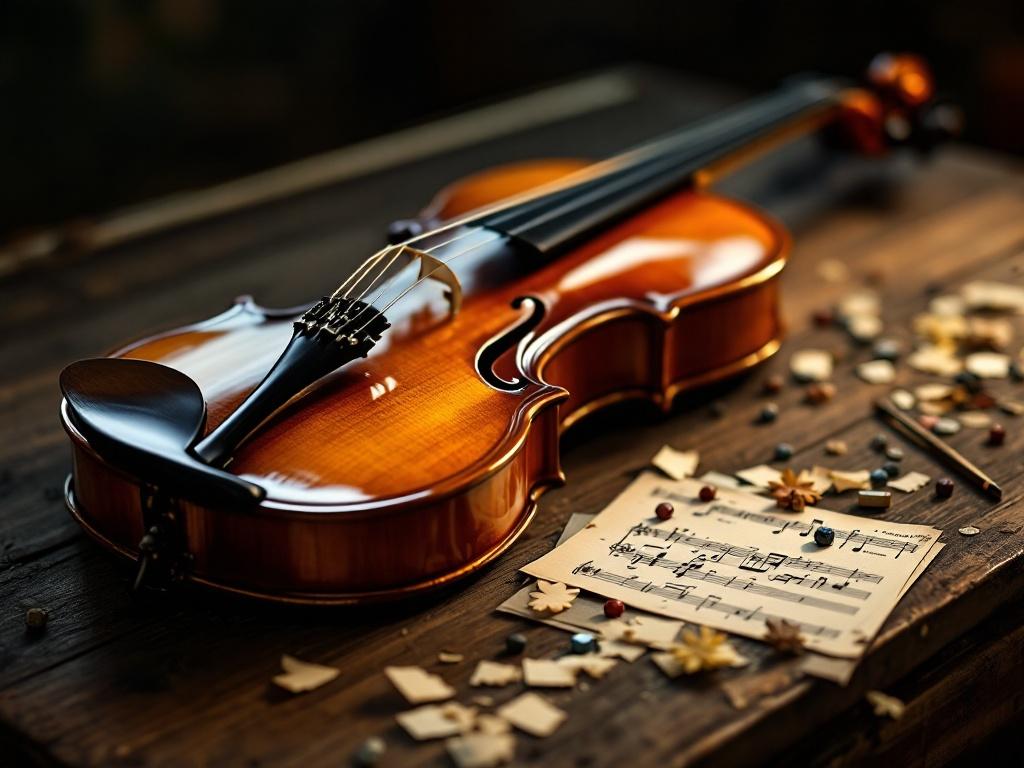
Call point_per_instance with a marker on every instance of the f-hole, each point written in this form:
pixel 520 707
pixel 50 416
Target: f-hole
pixel 499 345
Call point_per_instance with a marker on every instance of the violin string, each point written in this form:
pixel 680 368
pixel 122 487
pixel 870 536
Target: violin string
pixel 359 273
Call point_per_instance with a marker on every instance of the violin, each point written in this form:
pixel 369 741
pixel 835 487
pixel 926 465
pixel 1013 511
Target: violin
pixel 396 435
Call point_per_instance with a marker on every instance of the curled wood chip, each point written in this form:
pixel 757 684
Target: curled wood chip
pixel 435 721
pixel 446 657
pixel 902 399
pixel 494 674
pixel 552 597
pixel 988 365
pixel 970 530
pixel 533 714
pixel 705 650
pixel 845 481
pixel 982 294
pixel 481 750
pixel 594 665
pixel 975 419
pixel 937 360
pixel 811 364
pixel 676 464
pixel 885 705
pixel 877 371
pixel 547 673
pixel 910 482
pixel 301 676
pixel 417 685
pixel 836 448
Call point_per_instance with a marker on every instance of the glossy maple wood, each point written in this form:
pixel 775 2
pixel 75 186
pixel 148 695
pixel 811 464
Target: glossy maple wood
pixel 407 469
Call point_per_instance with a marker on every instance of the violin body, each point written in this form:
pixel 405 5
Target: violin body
pixel 422 471
pixel 389 440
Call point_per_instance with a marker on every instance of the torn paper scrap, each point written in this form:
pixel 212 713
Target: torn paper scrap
pixel 434 721
pixel 877 372
pixel 301 676
pixel 595 665
pixel 844 481
pixel 417 685
pixel 481 750
pixel 494 674
pixel 676 464
pixel 533 714
pixel 910 482
pixel 811 365
pixel 548 673
pixel 761 475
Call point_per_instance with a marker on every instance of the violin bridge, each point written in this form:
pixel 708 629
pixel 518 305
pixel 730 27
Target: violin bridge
pixel 434 269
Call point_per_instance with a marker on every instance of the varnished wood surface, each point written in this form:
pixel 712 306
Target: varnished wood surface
pixel 183 678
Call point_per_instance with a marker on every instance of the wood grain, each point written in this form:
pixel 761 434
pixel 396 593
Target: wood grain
pixel 183 678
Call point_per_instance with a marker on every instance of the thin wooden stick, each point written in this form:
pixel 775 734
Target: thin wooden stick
pixel 918 434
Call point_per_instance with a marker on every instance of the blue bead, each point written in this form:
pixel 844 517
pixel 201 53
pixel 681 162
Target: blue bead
pixel 769 413
pixel 879 441
pixel 783 451
pixel 824 537
pixel 891 468
pixel 583 642
pixel 879 477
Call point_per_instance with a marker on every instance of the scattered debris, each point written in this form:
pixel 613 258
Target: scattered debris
pixel 582 642
pixel 910 482
pixel 935 360
pixel 417 685
pixel 369 753
pixel 820 392
pixel 874 499
pixel 515 643
pixel 1001 297
pixel 946 426
pixel 434 721
pixel 533 714
pixel 969 530
pixel 783 452
pixel 833 271
pixel 944 487
pixel 988 365
pixel 676 464
pixel 613 609
pixel 836 447
pixel 885 705
pixel 877 372
pixel 975 419
pixel 552 597
pixel 36 619
pixel 811 365
pixel 769 413
pixel 494 674
pixel 784 636
pixel 772 385
pixel 664 511
pixel 594 665
pixel 996 434
pixel 547 673
pixel 481 750
pixel 445 657
pixel 824 536
pixel 745 690
pixel 762 475
pixel 902 399
pixel 301 676
pixel 791 492
pixel 705 650
pixel 707 493
pixel 845 481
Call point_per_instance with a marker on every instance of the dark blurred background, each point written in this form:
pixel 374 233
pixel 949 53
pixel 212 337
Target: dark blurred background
pixel 111 102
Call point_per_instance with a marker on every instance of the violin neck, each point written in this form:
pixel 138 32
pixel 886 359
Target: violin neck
pixel 691 156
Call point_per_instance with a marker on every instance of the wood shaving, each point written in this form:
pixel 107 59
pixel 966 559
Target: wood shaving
pixel 811 365
pixel 446 657
pixel 481 750
pixel 746 689
pixel 705 650
pixel 533 714
pixel 936 360
pixel 982 294
pixel 762 475
pixel 301 676
pixel 594 665
pixel 494 674
pixel 417 685
pixel 885 705
pixel 552 597
pixel 435 721
pixel 877 372
pixel 784 636
pixel 969 530
pixel 836 448
pixel 910 482
pixel 845 481
pixel 902 399
pixel 975 419
pixel 548 673
pixel 676 464
pixel 988 365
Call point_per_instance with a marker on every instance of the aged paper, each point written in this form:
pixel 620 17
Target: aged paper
pixel 735 562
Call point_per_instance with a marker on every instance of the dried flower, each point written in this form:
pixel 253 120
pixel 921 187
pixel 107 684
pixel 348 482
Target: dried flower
pixel 791 492
pixel 784 636
pixel 554 597
pixel 705 650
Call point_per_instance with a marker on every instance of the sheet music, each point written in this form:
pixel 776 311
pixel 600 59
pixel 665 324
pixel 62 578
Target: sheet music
pixel 739 560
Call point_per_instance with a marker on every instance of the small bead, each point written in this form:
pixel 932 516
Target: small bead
pixel 1016 371
pixel 927 420
pixel 614 608
pixel 769 413
pixel 886 349
pixel 944 487
pixel 996 434
pixel 879 477
pixel 894 454
pixel 582 642
pixel 968 381
pixel 820 393
pixel 891 468
pixel 823 317
pixel 773 384
pixel 783 451
pixel 664 510
pixel 36 618
pixel 515 643
pixel 879 442
pixel 824 537
pixel 370 752
pixel 946 426
pixel 708 493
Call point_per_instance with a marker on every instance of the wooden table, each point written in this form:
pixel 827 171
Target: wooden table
pixel 183 678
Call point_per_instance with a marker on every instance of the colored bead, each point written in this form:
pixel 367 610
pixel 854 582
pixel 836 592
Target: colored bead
pixel 874 499
pixel 370 752
pixel 879 442
pixel 968 381
pixel 664 510
pixel 708 493
pixel 614 608
pixel 824 537
pixel 582 642
pixel 879 477
pixel 823 317
pixel 996 434
pixel 946 426
pixel 820 393
pixel 927 420
pixel 515 644
pixel 886 349
pixel 783 451
pixel 894 454
pixel 891 469
pixel 944 487
pixel 773 384
pixel 769 413
pixel 36 618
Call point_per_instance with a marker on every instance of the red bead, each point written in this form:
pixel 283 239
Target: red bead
pixel 944 487
pixel 773 384
pixel 664 510
pixel 822 317
pixel 927 420
pixel 708 493
pixel 996 434
pixel 614 608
